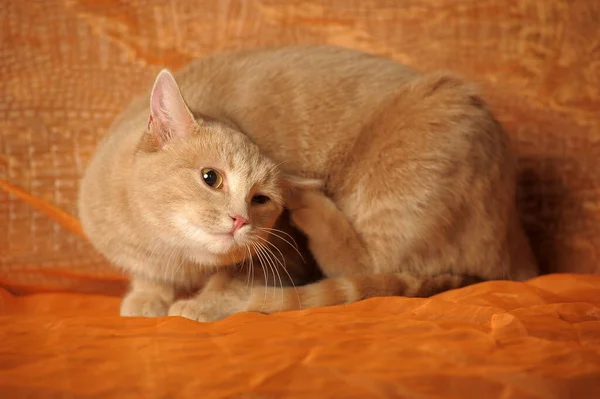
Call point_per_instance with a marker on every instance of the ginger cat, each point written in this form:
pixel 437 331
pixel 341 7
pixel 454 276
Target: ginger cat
pixel 187 192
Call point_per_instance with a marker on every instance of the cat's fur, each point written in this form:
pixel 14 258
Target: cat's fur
pixel 418 185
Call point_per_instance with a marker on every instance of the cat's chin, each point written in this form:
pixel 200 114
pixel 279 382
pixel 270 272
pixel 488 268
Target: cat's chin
pixel 224 255
pixel 218 250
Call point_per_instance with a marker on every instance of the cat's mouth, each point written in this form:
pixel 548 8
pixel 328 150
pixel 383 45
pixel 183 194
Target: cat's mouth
pixel 221 242
pixel 245 239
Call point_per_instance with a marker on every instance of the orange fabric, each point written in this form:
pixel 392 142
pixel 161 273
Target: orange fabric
pixel 68 67
pixel 539 339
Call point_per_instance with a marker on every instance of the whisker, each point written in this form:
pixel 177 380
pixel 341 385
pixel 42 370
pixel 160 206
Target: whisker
pixel 283 266
pixel 274 246
pixel 271 265
pixel 282 232
pixel 275 269
pixel 262 266
pixel 272 232
pixel 270 272
pixel 251 268
pixel 248 269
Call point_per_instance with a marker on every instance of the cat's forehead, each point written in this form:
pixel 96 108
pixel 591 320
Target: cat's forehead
pixel 239 156
pixel 251 169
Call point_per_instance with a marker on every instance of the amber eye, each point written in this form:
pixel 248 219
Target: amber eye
pixel 260 199
pixel 212 178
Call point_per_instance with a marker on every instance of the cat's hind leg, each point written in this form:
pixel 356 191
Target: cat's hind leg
pixel 332 240
pixel 382 238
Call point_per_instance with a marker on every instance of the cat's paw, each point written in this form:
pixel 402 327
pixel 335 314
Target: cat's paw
pixel 317 199
pixel 142 304
pixel 293 199
pixel 310 209
pixel 190 309
pixel 306 220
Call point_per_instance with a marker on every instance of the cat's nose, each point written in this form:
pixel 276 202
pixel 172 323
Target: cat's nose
pixel 238 223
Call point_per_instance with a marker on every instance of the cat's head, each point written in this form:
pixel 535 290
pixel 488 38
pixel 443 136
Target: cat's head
pixel 201 186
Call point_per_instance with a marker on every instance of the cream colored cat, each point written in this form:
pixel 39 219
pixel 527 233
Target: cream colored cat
pixel 187 191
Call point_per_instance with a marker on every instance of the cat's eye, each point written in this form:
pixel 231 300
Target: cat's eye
pixel 212 178
pixel 260 199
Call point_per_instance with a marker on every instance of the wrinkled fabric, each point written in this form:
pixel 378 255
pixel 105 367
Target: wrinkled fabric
pixel 68 67
pixel 539 339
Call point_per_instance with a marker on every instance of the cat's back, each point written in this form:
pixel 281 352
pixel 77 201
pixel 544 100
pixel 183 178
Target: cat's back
pixel 323 67
pixel 275 77
pixel 283 81
pixel 296 102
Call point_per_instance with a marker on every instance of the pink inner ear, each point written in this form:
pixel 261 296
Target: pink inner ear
pixel 169 115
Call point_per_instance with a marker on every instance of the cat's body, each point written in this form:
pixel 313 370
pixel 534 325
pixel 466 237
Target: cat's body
pixel 419 185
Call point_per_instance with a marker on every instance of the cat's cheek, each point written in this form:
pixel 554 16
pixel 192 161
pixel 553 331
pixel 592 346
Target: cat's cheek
pixel 193 232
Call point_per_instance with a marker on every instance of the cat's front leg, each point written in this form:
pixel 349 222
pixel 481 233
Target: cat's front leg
pixel 147 299
pixel 331 239
pixel 224 294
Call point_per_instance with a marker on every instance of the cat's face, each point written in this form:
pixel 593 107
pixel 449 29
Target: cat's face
pixel 211 193
pixel 203 187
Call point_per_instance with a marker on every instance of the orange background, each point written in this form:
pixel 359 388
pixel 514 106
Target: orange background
pixel 67 67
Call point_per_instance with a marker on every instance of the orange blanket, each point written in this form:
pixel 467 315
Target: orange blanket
pixel 492 340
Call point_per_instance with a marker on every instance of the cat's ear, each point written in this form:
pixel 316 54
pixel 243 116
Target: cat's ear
pixel 170 117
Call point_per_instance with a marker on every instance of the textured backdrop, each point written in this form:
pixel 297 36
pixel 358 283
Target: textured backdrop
pixel 68 66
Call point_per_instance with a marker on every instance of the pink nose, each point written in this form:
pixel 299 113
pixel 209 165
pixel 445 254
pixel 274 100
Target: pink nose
pixel 238 222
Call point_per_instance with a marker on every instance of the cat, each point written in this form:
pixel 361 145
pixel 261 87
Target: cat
pixel 252 169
